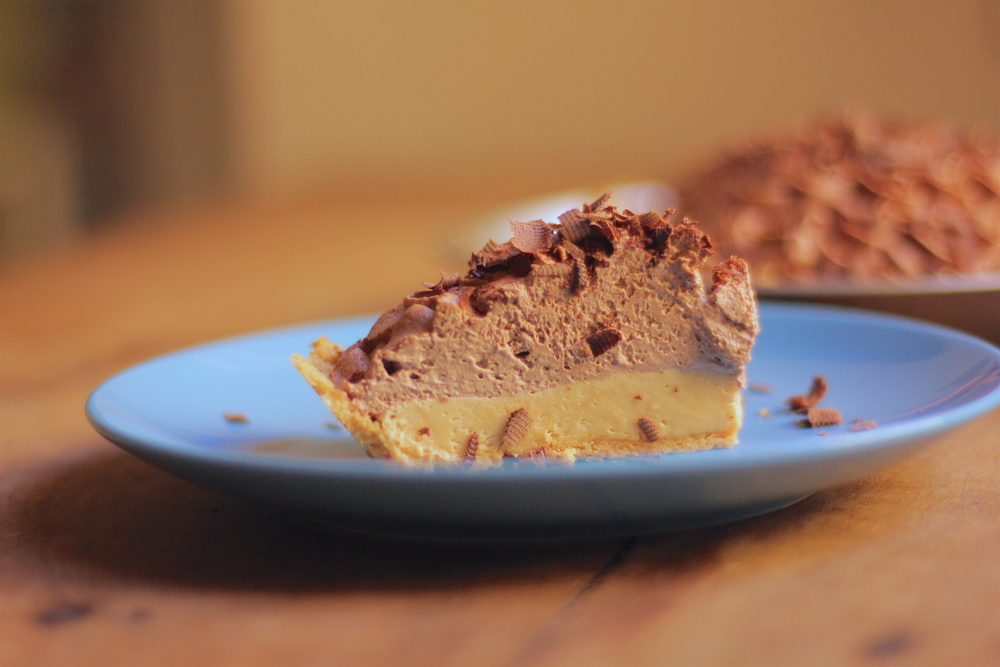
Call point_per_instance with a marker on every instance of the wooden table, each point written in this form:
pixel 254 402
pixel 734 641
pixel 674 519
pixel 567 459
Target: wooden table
pixel 108 561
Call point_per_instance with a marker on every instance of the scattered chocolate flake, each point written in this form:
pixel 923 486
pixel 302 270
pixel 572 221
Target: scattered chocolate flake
pixel 603 340
pixel 235 418
pixel 65 613
pixel 532 236
pixel 802 402
pixel 760 388
pixel 856 421
pixel 823 433
pixel 333 426
pixel 473 447
pixel 765 413
pixel 823 417
pixel 637 397
pixel 648 429
pixel 864 425
pixel 575 226
pixel 517 426
pixel 424 431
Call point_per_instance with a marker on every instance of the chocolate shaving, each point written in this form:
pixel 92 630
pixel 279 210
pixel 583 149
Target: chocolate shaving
pixel 235 418
pixel 760 388
pixel 607 230
pixel 802 402
pixel 864 425
pixel 603 340
pixel 472 447
pixel 817 417
pixel 575 226
pixel 492 262
pixel 651 220
pixel 533 236
pixel 539 456
pixel 517 426
pixel 552 270
pixel 448 281
pixel 424 431
pixel 580 277
pixel 600 201
pixel 648 429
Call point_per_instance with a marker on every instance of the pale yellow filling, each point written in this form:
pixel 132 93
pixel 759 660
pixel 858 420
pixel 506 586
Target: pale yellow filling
pixel 695 409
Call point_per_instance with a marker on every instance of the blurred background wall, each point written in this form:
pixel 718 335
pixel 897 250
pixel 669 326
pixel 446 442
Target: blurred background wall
pixel 113 106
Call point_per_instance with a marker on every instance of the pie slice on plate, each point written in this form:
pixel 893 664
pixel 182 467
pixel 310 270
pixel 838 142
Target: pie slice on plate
pixel 591 337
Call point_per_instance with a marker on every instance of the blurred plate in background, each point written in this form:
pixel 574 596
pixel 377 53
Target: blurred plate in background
pixel 968 302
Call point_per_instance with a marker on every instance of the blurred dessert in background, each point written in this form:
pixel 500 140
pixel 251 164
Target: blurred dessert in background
pixel 858 198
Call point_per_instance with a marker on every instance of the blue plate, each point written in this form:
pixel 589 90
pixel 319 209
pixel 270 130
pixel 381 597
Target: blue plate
pixel 914 379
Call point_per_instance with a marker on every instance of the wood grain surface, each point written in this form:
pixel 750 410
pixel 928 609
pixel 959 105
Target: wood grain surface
pixel 107 561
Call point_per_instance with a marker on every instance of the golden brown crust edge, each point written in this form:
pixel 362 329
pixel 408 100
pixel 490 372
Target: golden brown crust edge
pixel 316 370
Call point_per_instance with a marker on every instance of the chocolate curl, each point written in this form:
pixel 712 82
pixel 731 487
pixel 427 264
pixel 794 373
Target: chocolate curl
pixel 823 417
pixel 448 281
pixel 802 402
pixel 551 270
pixel 533 236
pixel 651 220
pixel 600 201
pixel 575 225
pixel 604 340
pixel 648 430
pixel 473 447
pixel 517 426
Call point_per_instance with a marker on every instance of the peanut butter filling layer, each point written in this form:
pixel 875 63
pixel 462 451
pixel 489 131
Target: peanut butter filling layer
pixel 690 410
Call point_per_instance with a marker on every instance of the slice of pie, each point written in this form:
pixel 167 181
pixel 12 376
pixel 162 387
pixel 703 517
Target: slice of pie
pixel 591 337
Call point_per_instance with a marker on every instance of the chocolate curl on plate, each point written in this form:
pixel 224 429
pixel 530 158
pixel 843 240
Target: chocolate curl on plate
pixel 802 402
pixel 823 417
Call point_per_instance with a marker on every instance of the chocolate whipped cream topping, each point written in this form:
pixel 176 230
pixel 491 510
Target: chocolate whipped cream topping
pixel 625 293
pixel 858 198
